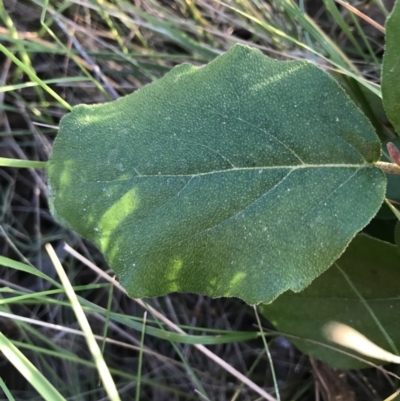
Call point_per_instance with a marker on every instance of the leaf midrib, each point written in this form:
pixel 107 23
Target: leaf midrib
pixel 292 168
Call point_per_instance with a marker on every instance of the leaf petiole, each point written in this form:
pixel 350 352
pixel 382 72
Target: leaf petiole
pixel 388 168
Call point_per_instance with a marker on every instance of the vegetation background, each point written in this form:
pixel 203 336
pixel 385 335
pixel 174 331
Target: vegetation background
pixel 92 51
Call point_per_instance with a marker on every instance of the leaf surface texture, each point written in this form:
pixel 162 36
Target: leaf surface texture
pixel 246 177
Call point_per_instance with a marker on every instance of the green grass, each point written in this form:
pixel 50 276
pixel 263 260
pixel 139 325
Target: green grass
pixel 61 53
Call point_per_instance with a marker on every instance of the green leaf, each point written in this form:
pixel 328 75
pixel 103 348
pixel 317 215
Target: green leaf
pixel 391 68
pixel 246 177
pixel 373 268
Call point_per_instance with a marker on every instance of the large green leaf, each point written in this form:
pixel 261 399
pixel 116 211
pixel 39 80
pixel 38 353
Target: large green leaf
pixel 373 268
pixel 391 68
pixel 246 177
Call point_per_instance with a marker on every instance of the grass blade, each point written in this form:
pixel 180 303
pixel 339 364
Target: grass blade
pixel 6 162
pixel 33 76
pixel 26 368
pixel 13 264
pixel 6 390
pixel 139 373
pixel 105 375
